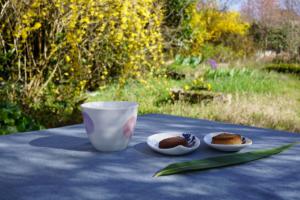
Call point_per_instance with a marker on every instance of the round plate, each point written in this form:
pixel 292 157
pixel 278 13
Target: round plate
pixel 226 147
pixel 154 140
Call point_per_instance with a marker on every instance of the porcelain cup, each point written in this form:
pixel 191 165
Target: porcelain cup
pixel 109 125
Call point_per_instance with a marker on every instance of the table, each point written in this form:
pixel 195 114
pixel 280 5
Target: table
pixel 61 164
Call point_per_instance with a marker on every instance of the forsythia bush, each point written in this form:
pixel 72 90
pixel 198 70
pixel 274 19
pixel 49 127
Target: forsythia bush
pixel 59 48
pixel 207 24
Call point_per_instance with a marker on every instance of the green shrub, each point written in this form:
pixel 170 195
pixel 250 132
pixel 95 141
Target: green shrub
pixel 175 11
pixel 12 120
pixel 192 61
pixel 182 66
pixel 52 52
pixel 190 25
pixel 286 58
pixel 197 84
pixel 207 23
pixel 284 68
pixel 208 51
pixel 220 52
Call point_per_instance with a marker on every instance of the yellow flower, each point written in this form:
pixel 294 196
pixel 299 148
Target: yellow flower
pixel 186 87
pixel 68 59
pixel 135 67
pixel 102 87
pixel 82 82
pixel 143 81
pixel 209 24
pixel 119 36
pixel 209 86
pixel 100 16
pixel 37 25
pixel 24 34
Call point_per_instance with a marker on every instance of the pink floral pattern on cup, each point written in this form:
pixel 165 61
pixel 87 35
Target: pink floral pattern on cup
pixel 129 126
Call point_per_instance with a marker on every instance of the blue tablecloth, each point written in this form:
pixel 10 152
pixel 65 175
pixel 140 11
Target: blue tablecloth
pixel 61 164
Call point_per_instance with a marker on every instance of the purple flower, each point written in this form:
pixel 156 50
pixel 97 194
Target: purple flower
pixel 213 63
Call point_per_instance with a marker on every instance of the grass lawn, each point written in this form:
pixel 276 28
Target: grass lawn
pixel 259 98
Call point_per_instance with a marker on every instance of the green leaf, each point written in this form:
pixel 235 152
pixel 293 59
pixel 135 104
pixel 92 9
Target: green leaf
pixel 11 129
pixel 186 61
pixel 194 61
pixel 178 59
pixel 220 161
pixel 9 121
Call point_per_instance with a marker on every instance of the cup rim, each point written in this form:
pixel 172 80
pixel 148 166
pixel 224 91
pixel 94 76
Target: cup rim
pixel 129 104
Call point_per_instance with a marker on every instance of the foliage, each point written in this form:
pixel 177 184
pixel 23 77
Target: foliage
pixel 183 66
pixel 189 60
pixel 284 67
pixel 225 72
pixel 148 94
pixel 12 120
pixel 220 52
pixel 269 38
pixel 189 24
pixel 197 84
pixel 287 58
pixel 206 24
pixel 239 46
pixel 175 11
pixel 173 30
pixel 275 24
pixel 241 80
pixel 51 52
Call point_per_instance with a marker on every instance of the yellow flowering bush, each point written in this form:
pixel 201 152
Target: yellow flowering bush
pixel 198 84
pixel 207 24
pixel 60 48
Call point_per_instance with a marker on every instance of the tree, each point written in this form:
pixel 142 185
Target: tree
pixel 266 12
pixel 290 16
pixel 291 5
pixel 275 23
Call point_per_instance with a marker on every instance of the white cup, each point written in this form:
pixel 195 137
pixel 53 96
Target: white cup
pixel 109 125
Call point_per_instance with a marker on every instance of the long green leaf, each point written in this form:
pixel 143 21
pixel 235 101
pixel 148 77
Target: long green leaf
pixel 220 161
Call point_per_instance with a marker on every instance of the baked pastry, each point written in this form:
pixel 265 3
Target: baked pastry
pixel 172 142
pixel 227 138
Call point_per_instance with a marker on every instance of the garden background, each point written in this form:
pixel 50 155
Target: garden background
pixel 226 60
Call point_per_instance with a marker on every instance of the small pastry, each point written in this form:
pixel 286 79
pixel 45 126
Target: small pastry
pixel 172 142
pixel 226 138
